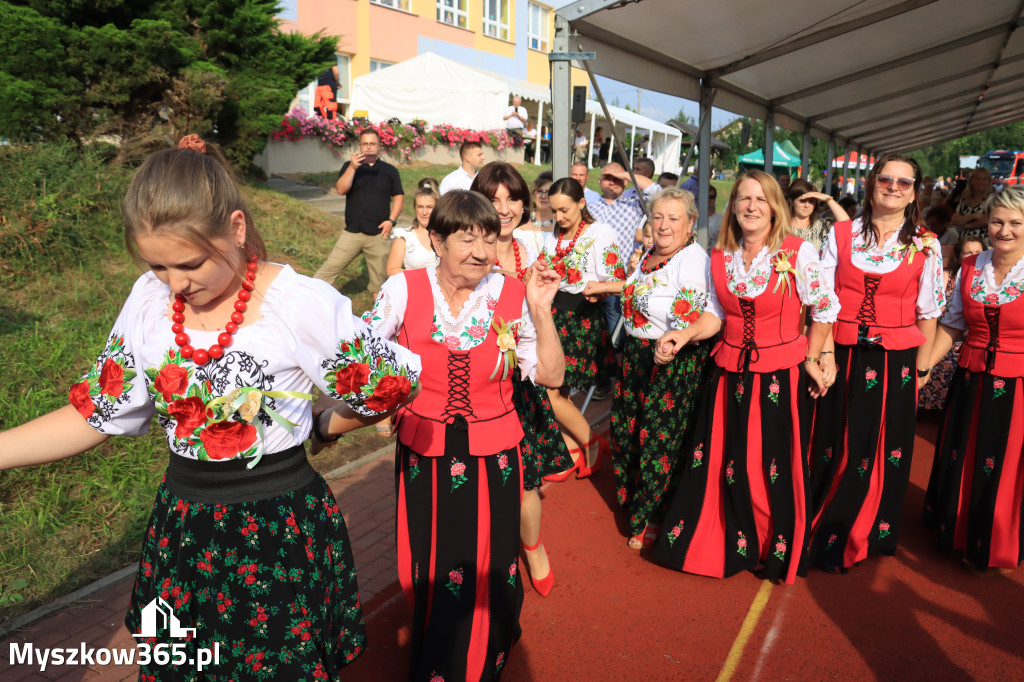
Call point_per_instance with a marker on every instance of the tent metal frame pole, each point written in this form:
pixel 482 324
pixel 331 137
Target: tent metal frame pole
pixel 769 143
pixel 707 98
pixel 618 143
pixel 831 154
pixel 632 147
pixel 805 153
pixel 590 154
pixel 561 100
pixel 846 170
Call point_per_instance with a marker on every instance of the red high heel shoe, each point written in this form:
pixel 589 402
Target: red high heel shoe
pixel 543 585
pixel 602 445
pixel 563 476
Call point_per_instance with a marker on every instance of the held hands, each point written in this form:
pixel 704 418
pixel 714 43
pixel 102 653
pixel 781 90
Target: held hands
pixel 814 371
pixel 634 259
pixel 595 291
pixel 669 344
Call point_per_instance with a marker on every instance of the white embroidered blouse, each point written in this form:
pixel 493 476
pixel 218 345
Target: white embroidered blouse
pixel 671 297
pixel 462 332
pixel 884 258
pixel 307 337
pixel 984 289
pixel 594 257
pixel 812 286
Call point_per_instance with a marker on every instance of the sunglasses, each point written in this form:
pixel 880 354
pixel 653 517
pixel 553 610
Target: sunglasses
pixel 902 183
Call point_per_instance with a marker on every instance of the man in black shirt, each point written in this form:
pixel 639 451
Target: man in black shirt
pixel 375 198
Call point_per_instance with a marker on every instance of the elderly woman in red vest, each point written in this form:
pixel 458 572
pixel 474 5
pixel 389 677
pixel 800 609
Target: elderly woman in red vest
pixel 458 465
pixel 974 495
pixel 887 271
pixel 741 495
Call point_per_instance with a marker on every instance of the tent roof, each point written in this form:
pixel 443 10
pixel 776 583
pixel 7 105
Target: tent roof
pixel 429 70
pixel 881 74
pixel 781 156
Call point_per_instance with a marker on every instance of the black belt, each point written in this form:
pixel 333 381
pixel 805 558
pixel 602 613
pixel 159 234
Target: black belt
pixel 568 303
pixel 231 482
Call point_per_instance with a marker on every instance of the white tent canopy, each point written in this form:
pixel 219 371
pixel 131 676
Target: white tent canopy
pixel 432 89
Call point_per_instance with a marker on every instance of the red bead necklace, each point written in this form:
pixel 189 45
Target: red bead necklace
pixel 201 356
pixel 520 271
pixel 572 243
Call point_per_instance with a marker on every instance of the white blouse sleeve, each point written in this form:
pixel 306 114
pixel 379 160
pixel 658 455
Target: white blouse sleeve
pixel 714 305
pixel 829 259
pixel 112 396
pixel 388 312
pixel 813 286
pixel 954 315
pixel 610 265
pixel 526 346
pixel 346 359
pixel 690 283
pixel 931 293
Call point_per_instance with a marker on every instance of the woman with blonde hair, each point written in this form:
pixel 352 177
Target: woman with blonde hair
pixel 653 403
pixel 741 498
pixel 974 495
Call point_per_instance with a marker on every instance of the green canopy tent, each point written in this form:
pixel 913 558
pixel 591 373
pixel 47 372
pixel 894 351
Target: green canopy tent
pixel 786 156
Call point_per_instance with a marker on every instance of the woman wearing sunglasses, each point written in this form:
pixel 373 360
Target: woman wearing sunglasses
pixel 887 271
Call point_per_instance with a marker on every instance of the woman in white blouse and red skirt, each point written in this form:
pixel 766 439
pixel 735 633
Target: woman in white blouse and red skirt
pixel 974 494
pixel 741 498
pixel 458 464
pixel 887 271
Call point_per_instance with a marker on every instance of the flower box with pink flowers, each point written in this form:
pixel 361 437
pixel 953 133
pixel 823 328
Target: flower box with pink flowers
pixel 305 143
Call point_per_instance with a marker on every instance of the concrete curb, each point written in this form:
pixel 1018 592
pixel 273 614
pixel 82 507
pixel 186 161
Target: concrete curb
pixel 346 469
pixel 53 608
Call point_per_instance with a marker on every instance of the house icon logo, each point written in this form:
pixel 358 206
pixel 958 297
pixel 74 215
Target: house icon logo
pixel 158 616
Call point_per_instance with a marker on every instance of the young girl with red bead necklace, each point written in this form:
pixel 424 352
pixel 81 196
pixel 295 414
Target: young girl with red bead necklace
pixel 584 253
pixel 245 542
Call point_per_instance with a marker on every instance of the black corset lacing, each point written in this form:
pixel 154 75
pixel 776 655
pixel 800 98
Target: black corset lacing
pixel 458 406
pixel 748 351
pixel 866 312
pixel 992 318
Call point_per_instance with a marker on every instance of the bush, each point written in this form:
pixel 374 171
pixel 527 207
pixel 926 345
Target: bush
pixel 56 202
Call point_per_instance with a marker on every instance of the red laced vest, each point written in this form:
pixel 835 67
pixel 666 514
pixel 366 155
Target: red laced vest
pixel 995 333
pixel 456 388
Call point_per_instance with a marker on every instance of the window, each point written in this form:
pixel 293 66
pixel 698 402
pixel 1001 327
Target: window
pixel 453 12
pixel 307 95
pixel 538 38
pixel 496 19
pixel 377 65
pixel 395 4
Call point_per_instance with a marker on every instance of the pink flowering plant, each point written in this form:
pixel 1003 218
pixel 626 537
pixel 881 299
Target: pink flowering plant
pixel 400 139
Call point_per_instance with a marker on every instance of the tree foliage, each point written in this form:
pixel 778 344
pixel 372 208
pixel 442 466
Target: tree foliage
pixel 944 159
pixel 149 72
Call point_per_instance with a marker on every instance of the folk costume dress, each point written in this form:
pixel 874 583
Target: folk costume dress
pixel 245 542
pixel 544 450
pixel 653 403
pixel 974 493
pixel 741 493
pixel 864 428
pixel 458 471
pixel 582 328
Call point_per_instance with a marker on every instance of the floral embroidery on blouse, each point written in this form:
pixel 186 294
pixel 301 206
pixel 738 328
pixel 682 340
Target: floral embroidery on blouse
pixel 108 383
pixel 687 307
pixel 822 298
pixel 634 302
pixel 1006 293
pixel 755 280
pixel 366 374
pixel 613 262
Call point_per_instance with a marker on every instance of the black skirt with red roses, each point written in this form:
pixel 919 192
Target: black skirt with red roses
pixel 544 450
pixel 586 342
pixel 258 562
pixel 861 452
